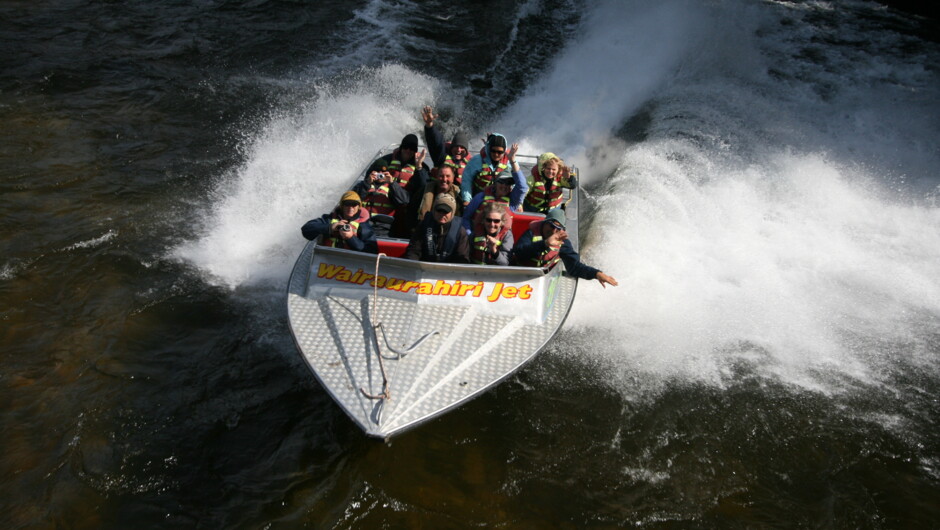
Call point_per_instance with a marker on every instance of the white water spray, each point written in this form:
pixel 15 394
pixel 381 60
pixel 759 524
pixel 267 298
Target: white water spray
pixel 297 169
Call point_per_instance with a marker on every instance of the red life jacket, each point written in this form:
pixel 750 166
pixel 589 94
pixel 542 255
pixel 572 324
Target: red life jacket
pixel 487 172
pixel 400 171
pixel 458 163
pixel 543 194
pixel 546 259
pixel 376 200
pixel 329 240
pixel 478 244
pixel 489 195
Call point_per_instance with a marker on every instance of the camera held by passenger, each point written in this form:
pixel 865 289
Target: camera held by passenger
pixel 345 228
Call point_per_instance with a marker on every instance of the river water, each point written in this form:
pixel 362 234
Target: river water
pixel 761 177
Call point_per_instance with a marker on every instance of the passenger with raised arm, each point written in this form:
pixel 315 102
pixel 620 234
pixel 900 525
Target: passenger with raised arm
pixel 508 188
pixel 439 238
pixel 454 153
pixel 482 169
pixel 347 226
pixel 492 239
pixel 547 183
pixel 546 243
pixel 444 183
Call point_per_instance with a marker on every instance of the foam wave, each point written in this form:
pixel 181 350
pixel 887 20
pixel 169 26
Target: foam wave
pixel 297 168
pixel 795 268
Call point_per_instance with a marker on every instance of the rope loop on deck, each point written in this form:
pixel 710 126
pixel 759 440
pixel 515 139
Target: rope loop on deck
pixel 386 391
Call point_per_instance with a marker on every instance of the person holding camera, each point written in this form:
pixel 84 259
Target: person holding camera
pixel 380 191
pixel 347 226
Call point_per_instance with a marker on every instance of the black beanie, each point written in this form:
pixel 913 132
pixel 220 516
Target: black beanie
pixel 496 141
pixel 461 139
pixel 410 141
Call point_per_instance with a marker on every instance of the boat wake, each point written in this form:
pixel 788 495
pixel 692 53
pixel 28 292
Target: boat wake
pixel 754 214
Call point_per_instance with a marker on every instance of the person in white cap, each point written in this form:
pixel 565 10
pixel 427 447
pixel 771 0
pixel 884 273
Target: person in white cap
pixel 439 238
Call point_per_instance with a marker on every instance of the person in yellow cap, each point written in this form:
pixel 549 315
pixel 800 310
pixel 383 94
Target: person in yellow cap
pixel 347 226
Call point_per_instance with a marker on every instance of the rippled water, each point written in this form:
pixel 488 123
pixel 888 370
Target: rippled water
pixel 761 179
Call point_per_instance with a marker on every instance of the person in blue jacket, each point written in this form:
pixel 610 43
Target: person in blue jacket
pixel 508 189
pixel 347 226
pixel 546 243
pixel 482 169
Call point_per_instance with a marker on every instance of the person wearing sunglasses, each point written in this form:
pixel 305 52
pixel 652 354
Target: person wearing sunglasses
pixel 347 226
pixel 507 189
pixel 439 238
pixel 492 239
pixel 546 243
pixel 495 157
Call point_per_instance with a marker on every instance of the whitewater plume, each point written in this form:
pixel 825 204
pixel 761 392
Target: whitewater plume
pixel 296 168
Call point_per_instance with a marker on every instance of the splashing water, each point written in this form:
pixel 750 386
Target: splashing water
pixel 297 169
pixel 750 210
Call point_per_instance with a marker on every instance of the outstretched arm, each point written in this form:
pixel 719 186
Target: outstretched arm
pixel 433 137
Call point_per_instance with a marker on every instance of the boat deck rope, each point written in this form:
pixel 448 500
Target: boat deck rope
pixel 386 391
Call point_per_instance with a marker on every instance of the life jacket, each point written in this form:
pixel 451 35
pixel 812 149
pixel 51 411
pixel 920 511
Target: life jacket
pixel 458 166
pixel 546 259
pixel 489 195
pixel 400 171
pixel 540 197
pixel 329 240
pixel 488 172
pixel 376 200
pixel 430 252
pixel 458 163
pixel 478 245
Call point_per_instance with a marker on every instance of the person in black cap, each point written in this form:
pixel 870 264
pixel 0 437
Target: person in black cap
pixel 439 238
pixel 508 188
pixel 455 153
pixel 546 243
pixel 405 166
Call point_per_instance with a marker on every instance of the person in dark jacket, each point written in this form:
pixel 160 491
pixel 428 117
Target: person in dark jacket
pixel 439 238
pixel 407 168
pixel 380 191
pixel 455 153
pixel 347 226
pixel 546 243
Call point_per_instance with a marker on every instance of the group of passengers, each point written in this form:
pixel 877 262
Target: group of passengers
pixel 461 210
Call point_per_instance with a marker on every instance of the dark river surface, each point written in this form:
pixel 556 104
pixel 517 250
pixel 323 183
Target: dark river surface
pixel 761 177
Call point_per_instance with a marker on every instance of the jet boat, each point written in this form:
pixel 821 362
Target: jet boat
pixel 398 342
